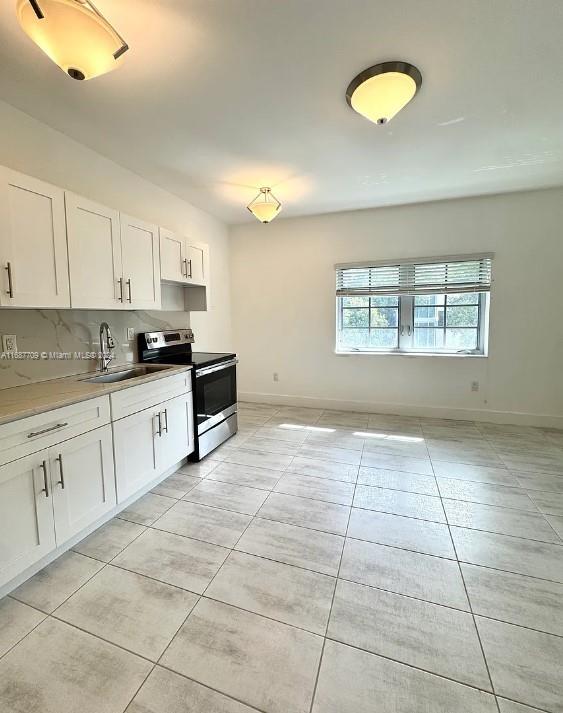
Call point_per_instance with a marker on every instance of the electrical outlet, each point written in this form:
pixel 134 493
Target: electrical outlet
pixel 9 343
pixel 276 376
pixel 130 333
pixel 474 386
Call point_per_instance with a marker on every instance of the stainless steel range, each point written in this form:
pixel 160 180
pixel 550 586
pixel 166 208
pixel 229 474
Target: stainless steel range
pixel 214 384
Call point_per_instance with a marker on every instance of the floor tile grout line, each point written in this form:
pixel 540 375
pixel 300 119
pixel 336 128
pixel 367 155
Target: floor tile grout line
pixel 316 683
pixel 482 648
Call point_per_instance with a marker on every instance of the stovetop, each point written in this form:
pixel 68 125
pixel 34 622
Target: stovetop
pixel 175 347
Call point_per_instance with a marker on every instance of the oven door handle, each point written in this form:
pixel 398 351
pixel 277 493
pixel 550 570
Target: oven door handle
pixel 217 367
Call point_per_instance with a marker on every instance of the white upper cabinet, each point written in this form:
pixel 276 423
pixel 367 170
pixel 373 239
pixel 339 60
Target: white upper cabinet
pixel 94 253
pixel 33 250
pixel 172 248
pixel 182 261
pixel 114 259
pixel 195 264
pixel 141 263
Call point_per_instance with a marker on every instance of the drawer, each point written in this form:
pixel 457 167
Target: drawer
pixel 28 435
pixel 137 398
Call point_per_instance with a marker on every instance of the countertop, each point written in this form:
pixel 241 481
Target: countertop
pixel 31 399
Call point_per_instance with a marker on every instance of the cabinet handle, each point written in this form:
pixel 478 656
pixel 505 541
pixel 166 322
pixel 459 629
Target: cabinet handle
pixel 185 267
pixel 10 290
pixel 120 289
pixel 190 275
pixel 159 416
pixel 61 471
pixel 46 430
pixel 165 420
pixel 45 489
pixel 129 299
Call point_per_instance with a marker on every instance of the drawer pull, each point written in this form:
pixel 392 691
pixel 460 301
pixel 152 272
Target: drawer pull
pixel 61 482
pixel 45 489
pixel 165 428
pixel 46 430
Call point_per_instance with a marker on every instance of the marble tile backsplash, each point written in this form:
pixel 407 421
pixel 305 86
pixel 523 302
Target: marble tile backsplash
pixel 54 332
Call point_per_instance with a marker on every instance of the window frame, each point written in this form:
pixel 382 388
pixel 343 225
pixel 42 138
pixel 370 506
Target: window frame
pixel 405 329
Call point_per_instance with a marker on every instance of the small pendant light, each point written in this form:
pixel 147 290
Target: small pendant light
pixel 265 206
pixel 74 34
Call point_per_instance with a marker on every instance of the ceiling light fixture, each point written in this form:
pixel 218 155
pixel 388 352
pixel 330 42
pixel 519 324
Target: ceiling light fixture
pixel 265 206
pixel 74 34
pixel 380 92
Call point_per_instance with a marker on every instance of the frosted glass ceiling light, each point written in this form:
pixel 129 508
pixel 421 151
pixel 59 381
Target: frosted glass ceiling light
pixel 265 206
pixel 74 34
pixel 380 92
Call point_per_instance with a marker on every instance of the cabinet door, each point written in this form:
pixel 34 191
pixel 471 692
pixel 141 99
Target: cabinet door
pixel 26 514
pixel 173 445
pixel 195 264
pixel 83 481
pixel 141 263
pixel 94 254
pixel 135 455
pixel 33 250
pixel 172 259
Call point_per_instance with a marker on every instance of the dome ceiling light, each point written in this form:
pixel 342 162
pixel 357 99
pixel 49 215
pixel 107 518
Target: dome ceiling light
pixel 380 92
pixel 74 34
pixel 265 206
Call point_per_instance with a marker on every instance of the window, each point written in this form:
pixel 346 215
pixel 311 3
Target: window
pixel 431 306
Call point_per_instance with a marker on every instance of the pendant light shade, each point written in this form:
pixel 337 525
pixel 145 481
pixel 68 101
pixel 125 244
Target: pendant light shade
pixel 380 92
pixel 73 34
pixel 265 206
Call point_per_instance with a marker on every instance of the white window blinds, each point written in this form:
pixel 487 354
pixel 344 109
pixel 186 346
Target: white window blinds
pixel 464 273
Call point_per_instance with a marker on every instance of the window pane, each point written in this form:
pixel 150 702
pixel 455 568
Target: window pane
pixel 355 301
pixel 463 316
pixel 384 317
pixel 384 338
pixel 386 301
pixel 420 300
pixel 354 338
pixel 461 338
pixel 469 298
pixel 355 318
pixel 428 339
pixel 428 317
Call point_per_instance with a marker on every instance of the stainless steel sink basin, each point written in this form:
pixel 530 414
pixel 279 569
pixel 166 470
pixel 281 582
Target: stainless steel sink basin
pixel 121 375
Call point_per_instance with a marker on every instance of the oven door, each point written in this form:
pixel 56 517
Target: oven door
pixel 215 394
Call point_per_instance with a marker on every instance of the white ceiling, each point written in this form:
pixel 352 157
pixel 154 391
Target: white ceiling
pixel 219 97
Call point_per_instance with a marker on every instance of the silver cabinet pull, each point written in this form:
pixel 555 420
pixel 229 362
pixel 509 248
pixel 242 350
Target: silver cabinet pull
pixel 45 489
pixel 61 482
pixel 165 412
pixel 129 299
pixel 10 290
pixel 190 275
pixel 159 416
pixel 46 430
pixel 120 289
pixel 184 267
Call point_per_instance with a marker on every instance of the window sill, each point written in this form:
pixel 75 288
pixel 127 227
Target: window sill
pixel 412 354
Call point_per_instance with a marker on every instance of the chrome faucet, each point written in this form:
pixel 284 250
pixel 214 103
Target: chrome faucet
pixel 106 349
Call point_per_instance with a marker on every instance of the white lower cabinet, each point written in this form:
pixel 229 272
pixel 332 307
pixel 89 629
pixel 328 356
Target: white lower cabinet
pixel 83 481
pixel 149 442
pixel 27 530
pixel 135 453
pixel 50 496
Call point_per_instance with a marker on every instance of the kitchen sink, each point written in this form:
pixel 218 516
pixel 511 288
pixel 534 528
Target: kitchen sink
pixel 123 375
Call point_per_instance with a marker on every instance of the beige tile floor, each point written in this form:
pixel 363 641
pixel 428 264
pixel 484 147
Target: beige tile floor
pixel 320 562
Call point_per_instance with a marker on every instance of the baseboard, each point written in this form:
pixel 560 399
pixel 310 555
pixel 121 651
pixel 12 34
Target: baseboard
pixel 461 414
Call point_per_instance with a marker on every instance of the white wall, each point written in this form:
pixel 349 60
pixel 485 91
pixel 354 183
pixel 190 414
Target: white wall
pixel 284 309
pixel 33 148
